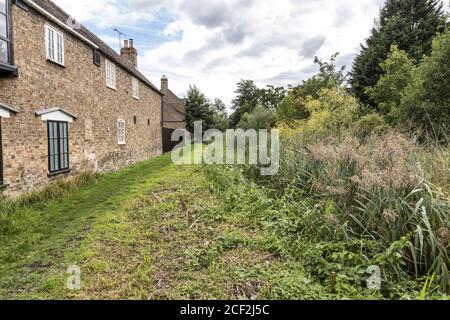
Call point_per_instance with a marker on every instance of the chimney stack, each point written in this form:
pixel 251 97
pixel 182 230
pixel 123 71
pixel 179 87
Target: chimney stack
pixel 129 52
pixel 164 84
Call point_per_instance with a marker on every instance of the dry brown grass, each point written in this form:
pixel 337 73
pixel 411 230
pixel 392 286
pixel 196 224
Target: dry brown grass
pixel 385 187
pixel 385 162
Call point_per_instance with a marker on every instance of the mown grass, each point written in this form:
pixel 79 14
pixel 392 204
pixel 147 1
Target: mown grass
pixel 151 231
pixel 36 237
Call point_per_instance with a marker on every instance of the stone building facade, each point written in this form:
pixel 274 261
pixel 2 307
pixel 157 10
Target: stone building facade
pixel 68 102
pixel 174 108
pixel 174 115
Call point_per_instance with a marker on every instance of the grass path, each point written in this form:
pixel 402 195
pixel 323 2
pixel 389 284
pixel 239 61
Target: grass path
pixel 39 237
pixel 151 231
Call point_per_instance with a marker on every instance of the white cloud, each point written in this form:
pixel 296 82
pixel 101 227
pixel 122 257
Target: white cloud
pixel 104 13
pixel 224 41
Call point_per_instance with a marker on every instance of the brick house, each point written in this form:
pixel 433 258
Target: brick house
pixel 174 114
pixel 68 102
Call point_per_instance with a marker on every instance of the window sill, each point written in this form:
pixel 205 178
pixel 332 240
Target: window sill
pixel 3 186
pixel 136 98
pixel 7 69
pixel 56 63
pixel 122 144
pixel 112 88
pixel 57 173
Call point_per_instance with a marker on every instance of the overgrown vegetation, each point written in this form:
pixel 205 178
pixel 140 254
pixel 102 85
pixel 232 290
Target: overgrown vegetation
pixel 343 204
pixel 364 177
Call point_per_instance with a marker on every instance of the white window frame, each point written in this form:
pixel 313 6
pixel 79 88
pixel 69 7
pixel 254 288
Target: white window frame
pixel 135 88
pixel 54 45
pixel 121 132
pixel 111 75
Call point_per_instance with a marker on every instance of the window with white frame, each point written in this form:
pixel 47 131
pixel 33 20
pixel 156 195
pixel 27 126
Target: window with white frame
pixel 135 88
pixel 55 45
pixel 121 131
pixel 110 74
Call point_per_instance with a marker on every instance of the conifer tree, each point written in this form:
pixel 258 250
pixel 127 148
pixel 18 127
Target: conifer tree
pixel 198 108
pixel 409 24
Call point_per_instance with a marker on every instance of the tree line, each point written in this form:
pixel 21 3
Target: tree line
pixel 401 77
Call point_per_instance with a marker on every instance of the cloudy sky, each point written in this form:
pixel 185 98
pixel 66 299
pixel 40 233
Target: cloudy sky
pixel 215 43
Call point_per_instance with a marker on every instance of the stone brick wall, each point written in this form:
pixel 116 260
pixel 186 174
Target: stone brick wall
pixel 174 109
pixel 80 88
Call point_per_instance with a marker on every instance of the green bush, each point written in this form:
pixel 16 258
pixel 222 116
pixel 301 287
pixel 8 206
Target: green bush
pixel 371 123
pixel 339 205
pixel 398 70
pixel 333 111
pixel 294 105
pixel 426 100
pixel 260 118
